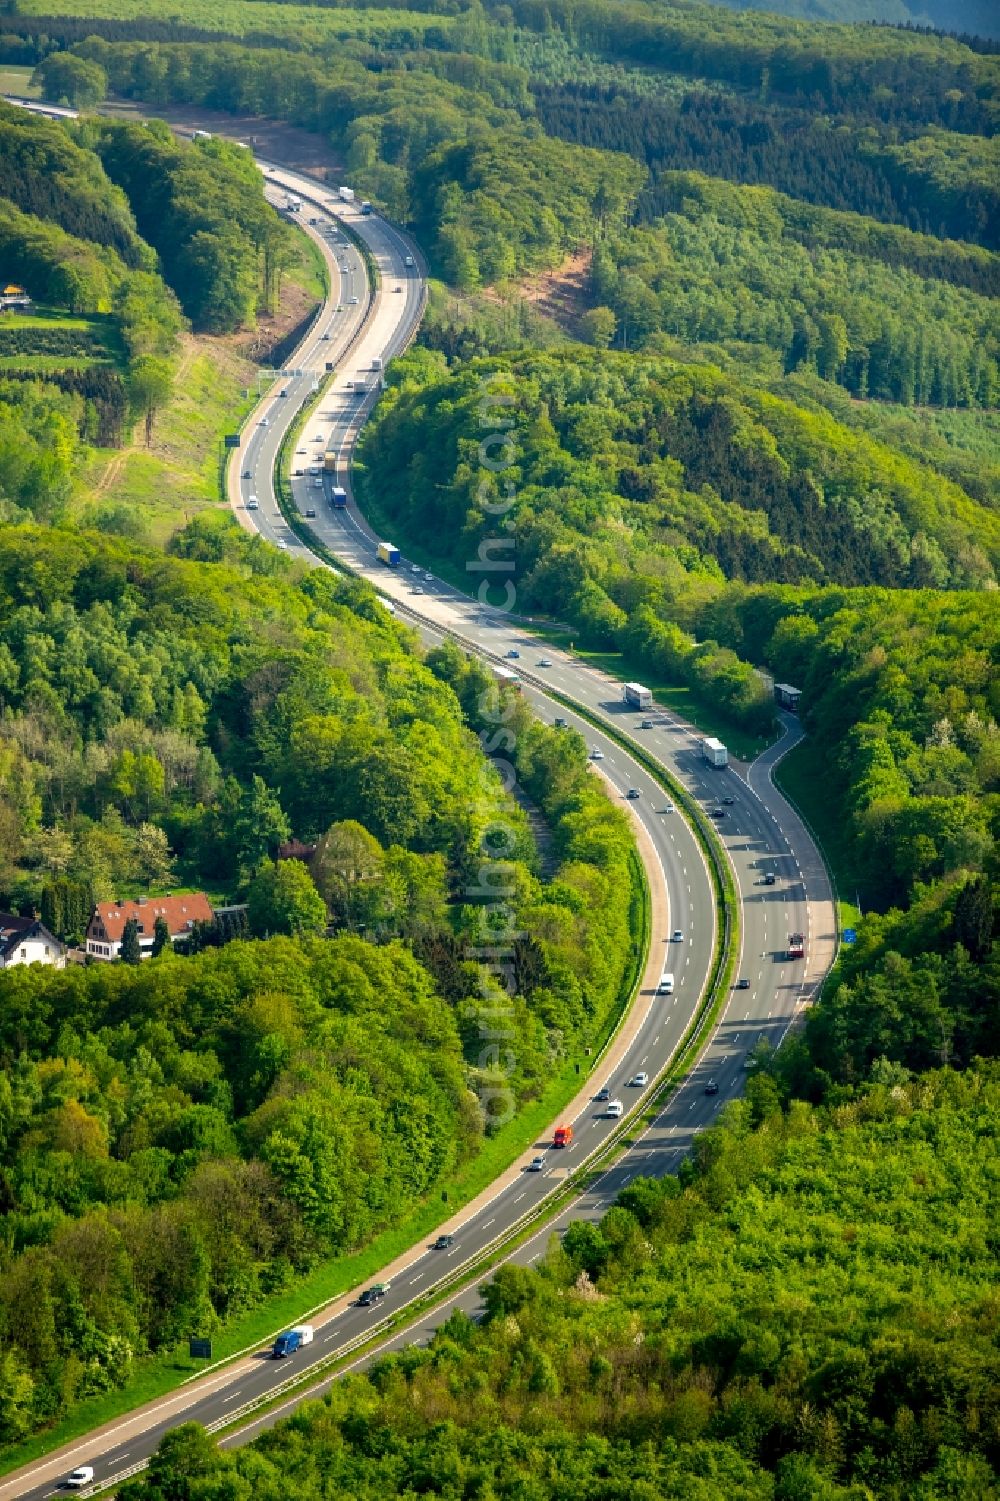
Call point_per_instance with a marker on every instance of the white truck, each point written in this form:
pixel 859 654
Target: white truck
pixel 293 204
pixel 346 195
pixel 714 752
pixel 638 696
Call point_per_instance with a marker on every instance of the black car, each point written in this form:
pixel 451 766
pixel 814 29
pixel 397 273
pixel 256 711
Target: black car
pixel 729 801
pixel 742 984
pixel 718 812
pixel 711 1087
pixel 310 512
pixel 247 474
pixel 770 878
pixel 373 1295
pixel 443 1243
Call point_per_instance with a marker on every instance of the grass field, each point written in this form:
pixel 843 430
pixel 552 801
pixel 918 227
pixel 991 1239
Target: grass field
pixel 151 492
pixel 15 80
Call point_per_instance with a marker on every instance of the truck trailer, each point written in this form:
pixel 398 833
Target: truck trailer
pixel 638 696
pixel 346 195
pixel 714 752
pixel 388 554
pixel 796 945
pixel 330 461
pixel 338 498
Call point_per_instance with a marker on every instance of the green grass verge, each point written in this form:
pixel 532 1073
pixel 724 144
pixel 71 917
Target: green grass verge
pixel 804 778
pixel 159 1375
pixel 308 271
pixel 165 485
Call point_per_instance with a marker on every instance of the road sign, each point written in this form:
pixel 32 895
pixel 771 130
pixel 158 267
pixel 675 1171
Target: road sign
pixel 200 1349
pixel 232 440
pixel 850 935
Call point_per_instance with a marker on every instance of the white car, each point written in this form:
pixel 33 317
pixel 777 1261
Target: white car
pixel 596 755
pixel 677 936
pixel 544 662
pixel 353 301
pixel 81 1476
pixel 613 1109
pixel 536 1165
pixel 640 1080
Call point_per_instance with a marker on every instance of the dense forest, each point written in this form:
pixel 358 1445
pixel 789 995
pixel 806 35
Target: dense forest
pixel 808 1312
pixel 69 204
pixel 163 717
pixel 775 448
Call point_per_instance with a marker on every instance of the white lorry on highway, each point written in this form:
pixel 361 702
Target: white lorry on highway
pixel 637 696
pixel 346 195
pixel 714 752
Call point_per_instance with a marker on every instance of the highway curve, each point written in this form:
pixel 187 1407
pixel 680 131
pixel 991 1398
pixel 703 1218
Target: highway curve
pixel 361 324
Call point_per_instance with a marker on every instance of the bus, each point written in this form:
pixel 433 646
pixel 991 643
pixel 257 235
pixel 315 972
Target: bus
pixel 338 498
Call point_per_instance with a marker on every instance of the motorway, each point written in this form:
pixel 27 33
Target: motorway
pixel 357 326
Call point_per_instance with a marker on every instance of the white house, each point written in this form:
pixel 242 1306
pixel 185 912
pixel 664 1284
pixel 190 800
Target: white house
pixel 24 940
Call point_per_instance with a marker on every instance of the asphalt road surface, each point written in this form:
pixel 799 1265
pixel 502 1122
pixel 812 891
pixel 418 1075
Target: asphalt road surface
pixel 358 333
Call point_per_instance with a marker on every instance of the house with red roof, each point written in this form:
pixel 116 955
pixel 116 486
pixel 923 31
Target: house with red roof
pixel 108 919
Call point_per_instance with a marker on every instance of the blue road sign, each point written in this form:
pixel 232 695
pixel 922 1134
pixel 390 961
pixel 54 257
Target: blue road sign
pixel 850 935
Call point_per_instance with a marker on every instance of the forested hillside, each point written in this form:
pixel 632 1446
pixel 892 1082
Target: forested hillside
pixel 737 274
pixel 166 719
pixel 808 1313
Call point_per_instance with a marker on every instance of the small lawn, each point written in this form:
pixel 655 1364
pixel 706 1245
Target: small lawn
pixel 15 80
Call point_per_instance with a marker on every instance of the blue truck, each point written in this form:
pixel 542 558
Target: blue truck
pixel 292 1340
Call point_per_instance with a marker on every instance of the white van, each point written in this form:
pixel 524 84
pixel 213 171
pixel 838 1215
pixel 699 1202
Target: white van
pixel 252 503
pixel 376 363
pixel 613 1109
pixel 666 985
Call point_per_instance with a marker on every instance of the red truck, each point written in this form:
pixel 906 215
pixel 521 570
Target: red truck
pixel 563 1136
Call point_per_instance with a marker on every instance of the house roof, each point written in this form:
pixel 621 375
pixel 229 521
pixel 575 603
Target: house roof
pixel 180 912
pixel 12 290
pixel 15 930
